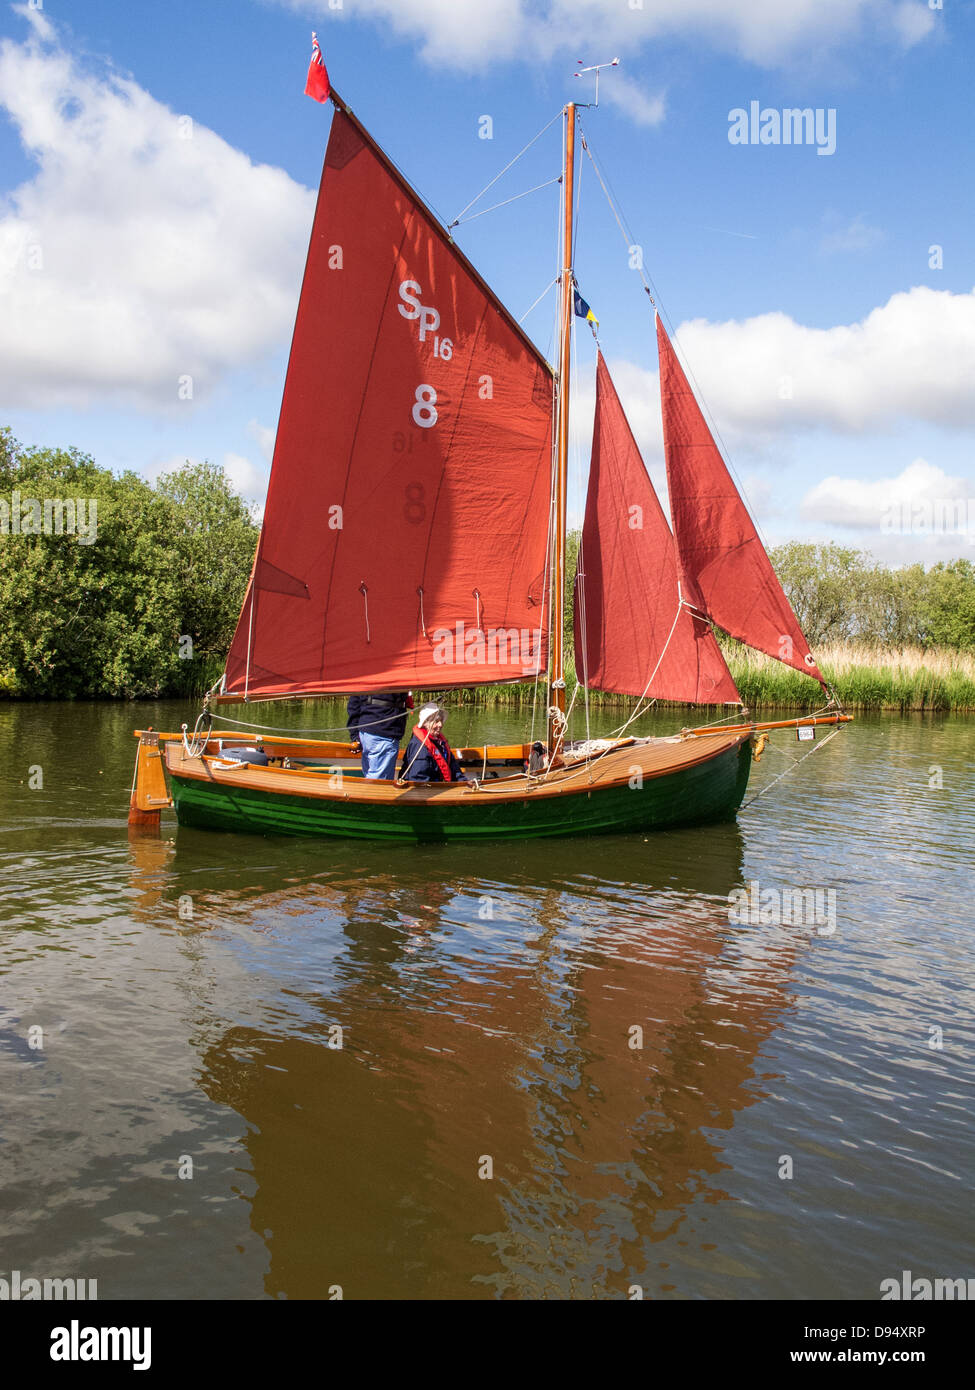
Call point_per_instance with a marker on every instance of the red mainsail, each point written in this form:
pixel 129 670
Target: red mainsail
pixel 632 634
pixel 404 537
pixel 725 569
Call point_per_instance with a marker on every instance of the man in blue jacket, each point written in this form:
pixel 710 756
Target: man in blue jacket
pixel 378 722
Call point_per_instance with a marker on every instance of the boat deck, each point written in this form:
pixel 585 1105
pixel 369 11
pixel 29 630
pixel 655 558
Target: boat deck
pixel 640 786
pixel 339 777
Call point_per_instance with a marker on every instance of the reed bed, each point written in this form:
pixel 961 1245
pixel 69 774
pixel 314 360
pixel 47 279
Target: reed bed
pixel 906 679
pixel 865 677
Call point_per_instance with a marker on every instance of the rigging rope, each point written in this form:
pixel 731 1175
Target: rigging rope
pixel 673 627
pixel 792 766
pixel 480 195
pixel 539 299
pixel 462 221
pixel 363 590
pixel 290 729
pixel 198 740
pixel 620 221
pixel 655 300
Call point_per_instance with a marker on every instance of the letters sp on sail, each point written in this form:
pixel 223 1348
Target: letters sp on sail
pixel 409 489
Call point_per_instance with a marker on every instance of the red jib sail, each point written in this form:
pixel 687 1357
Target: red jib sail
pixel 404 537
pixel 725 569
pixel 633 635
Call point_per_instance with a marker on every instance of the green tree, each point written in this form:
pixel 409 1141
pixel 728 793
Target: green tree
pixel 889 605
pixel 572 542
pixel 948 608
pixel 8 455
pixel 214 539
pixel 107 618
pixel 824 584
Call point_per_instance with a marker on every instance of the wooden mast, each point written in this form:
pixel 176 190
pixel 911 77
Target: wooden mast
pixel 556 689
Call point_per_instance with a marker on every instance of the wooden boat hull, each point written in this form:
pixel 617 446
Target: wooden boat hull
pixel 641 787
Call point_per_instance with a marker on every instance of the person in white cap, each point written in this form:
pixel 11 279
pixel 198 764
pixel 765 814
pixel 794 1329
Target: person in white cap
pixel 428 756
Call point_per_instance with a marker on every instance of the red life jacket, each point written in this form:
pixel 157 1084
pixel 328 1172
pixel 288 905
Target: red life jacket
pixel 430 745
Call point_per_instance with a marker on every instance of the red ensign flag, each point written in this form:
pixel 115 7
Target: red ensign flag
pixel 318 85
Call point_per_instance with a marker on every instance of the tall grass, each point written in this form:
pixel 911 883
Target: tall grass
pixel 864 676
pixel 201 676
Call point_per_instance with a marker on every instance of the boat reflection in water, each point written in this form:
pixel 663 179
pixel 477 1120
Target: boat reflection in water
pixel 534 1073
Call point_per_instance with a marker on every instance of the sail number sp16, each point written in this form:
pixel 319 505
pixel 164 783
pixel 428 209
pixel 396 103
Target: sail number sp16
pixel 428 320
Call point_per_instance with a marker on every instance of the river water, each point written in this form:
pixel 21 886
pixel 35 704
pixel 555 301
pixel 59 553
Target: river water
pixel 236 1067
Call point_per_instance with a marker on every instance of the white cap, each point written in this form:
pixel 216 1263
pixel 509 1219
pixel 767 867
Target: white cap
pixel 428 712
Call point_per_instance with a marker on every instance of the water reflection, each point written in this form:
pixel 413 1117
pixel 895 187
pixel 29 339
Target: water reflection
pixel 585 1038
pixel 189 986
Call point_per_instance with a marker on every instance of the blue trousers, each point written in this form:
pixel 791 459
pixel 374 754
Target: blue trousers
pixel 378 756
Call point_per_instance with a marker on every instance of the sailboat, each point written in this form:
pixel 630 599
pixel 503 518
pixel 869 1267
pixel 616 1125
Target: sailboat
pixel 414 537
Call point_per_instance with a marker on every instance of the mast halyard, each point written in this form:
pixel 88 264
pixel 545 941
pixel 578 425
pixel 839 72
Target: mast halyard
pixel 556 685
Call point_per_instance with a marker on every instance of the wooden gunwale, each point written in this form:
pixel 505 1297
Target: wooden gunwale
pixel 333 750
pixel 610 769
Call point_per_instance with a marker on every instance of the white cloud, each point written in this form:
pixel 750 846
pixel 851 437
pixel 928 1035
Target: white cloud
pixel 922 514
pixel 38 21
pixel 912 22
pixel 246 479
pixel 639 395
pixel 263 436
pixel 643 108
pixel 471 33
pixel 145 249
pixel 468 33
pixel 759 493
pixel 639 391
pixel 911 358
pixel 853 236
pixel 858 503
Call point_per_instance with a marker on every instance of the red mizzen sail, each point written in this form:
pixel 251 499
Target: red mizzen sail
pixel 725 570
pixel 629 622
pixel 404 537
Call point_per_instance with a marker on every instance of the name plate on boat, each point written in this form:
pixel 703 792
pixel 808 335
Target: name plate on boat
pixel 805 732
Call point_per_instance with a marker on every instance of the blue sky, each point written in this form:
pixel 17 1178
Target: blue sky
pixel 138 247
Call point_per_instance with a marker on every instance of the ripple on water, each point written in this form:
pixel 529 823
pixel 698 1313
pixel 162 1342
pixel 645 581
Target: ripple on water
pixel 339 1037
